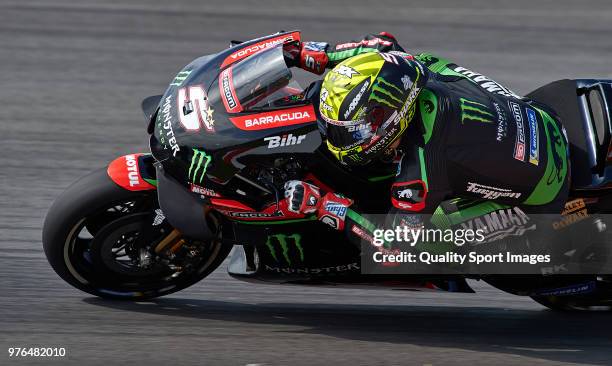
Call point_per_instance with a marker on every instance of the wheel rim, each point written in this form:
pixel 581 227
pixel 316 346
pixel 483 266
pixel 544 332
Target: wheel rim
pixel 106 260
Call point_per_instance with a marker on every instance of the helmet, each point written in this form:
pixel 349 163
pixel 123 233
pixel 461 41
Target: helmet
pixel 367 102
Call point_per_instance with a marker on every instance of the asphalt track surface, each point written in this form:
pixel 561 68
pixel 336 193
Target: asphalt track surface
pixel 72 74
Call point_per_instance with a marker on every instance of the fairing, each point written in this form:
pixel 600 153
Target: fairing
pixel 131 172
pixel 233 110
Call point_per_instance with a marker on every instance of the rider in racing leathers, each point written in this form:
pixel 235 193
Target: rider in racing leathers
pixel 460 137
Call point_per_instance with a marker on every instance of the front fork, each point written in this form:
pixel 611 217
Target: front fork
pixel 135 172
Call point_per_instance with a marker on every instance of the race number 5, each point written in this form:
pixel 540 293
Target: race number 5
pixel 193 109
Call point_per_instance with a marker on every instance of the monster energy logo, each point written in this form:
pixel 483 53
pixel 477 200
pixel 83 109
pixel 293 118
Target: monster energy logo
pixel 385 93
pixel 475 111
pixel 180 77
pixel 199 161
pixel 283 242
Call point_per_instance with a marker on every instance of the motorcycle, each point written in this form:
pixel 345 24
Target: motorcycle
pixel 228 132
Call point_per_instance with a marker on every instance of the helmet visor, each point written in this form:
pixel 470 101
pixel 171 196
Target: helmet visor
pixel 347 134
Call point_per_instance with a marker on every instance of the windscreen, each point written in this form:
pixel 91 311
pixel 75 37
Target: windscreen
pixel 261 81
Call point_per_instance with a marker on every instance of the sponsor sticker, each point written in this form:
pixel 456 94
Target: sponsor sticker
pixel 199 164
pixel 228 93
pixel 574 211
pixel 203 190
pixel 534 154
pixel 346 71
pixel 159 217
pixel 486 83
pixel 501 223
pixel 125 172
pixel 474 111
pixel 324 94
pixel 258 47
pixel 356 100
pixel 180 77
pixel 406 82
pixel 491 193
pixel 502 123
pixel 333 222
pixel 570 290
pixel 252 215
pixel 280 243
pixel 337 209
pixel 406 193
pixel 519 145
pixel 366 42
pixel 362 233
pixel 274 119
pixel 164 122
pixel 284 140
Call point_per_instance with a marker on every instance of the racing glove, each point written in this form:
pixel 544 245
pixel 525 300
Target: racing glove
pixel 302 197
pixel 333 209
pixel 305 198
pixel 310 56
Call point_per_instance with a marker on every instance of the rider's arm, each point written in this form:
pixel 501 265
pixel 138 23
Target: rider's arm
pixel 437 64
pixel 410 199
pixel 317 56
pixel 382 42
pixel 411 194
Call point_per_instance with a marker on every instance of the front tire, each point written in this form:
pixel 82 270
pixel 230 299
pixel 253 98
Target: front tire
pixel 90 235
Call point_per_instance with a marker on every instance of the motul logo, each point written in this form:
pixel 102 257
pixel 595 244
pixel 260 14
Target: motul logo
pixel 132 168
pixel 125 173
pixel 258 47
pixel 285 140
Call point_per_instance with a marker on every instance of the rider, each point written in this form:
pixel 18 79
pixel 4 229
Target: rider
pixel 455 133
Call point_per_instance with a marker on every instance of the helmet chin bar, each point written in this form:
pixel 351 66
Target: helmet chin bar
pixel 390 153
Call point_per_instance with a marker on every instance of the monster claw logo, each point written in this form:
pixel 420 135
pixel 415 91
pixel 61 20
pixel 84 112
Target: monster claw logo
pixel 558 172
pixel 180 77
pixel 199 162
pixel 475 111
pixel 283 243
pixel 385 93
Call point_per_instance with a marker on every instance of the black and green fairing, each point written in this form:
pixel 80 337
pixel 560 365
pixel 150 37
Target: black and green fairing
pixel 212 151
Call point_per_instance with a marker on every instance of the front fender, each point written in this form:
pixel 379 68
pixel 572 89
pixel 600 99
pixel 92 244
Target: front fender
pixel 133 172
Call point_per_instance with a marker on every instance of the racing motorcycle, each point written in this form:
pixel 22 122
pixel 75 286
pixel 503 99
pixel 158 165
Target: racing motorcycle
pixel 228 132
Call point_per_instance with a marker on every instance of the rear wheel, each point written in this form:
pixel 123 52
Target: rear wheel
pixel 115 243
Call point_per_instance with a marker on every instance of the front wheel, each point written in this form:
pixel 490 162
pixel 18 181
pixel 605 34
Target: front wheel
pixel 114 243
